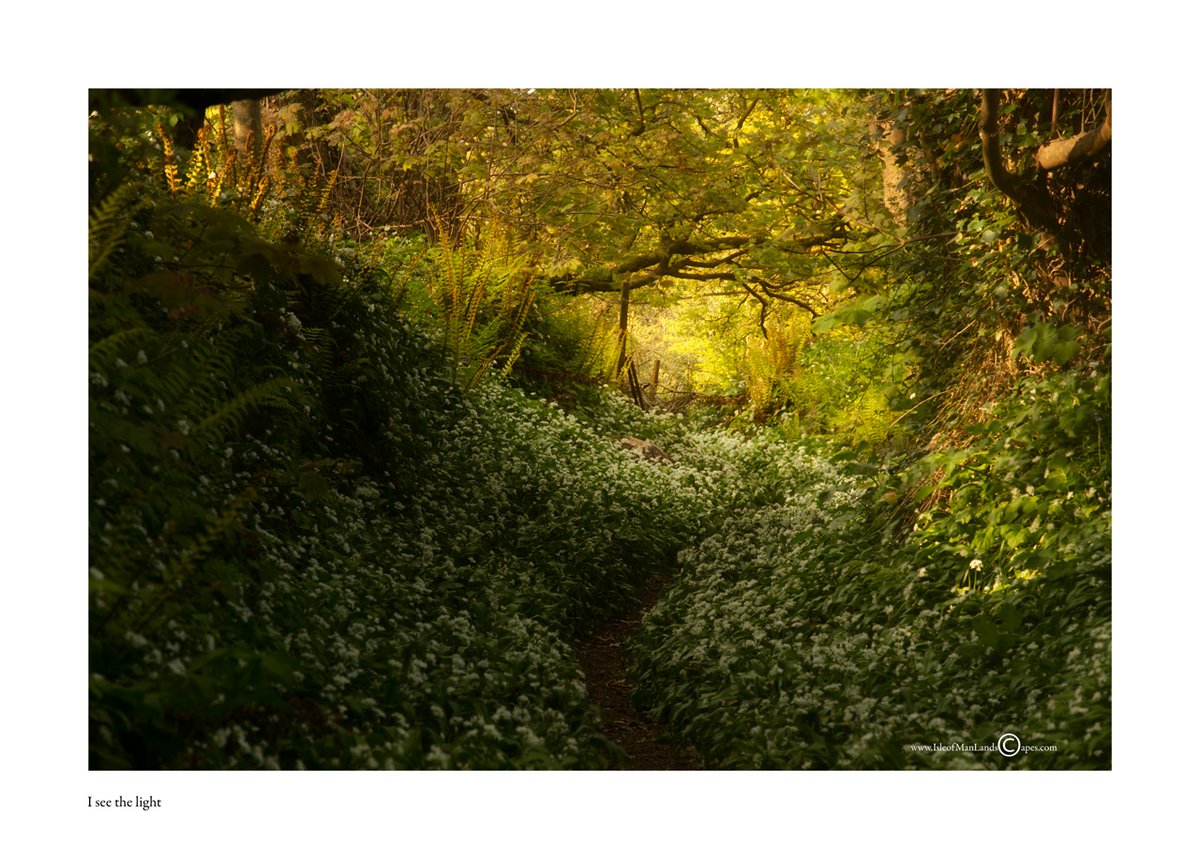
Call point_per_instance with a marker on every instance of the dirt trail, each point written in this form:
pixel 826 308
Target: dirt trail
pixel 647 743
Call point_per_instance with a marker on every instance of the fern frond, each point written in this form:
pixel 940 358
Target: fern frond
pixel 260 194
pixel 198 169
pixel 227 418
pixel 109 225
pixel 224 179
pixel 324 201
pixel 104 352
pixel 206 375
pixel 265 150
pixel 343 375
pixel 466 326
pixel 196 550
pixel 516 352
pixel 524 305
pixel 170 167
pixel 325 345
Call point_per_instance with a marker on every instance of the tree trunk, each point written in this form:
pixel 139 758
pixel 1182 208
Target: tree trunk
pixel 895 196
pixel 247 127
pixel 623 324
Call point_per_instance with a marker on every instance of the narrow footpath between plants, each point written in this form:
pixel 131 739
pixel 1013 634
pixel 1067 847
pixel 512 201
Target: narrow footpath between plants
pixel 602 657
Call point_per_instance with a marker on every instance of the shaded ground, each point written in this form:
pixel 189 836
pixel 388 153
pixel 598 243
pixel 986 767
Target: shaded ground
pixel 647 743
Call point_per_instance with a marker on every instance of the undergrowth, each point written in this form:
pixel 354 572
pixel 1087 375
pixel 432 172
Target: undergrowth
pixel 310 549
pixel 307 549
pixel 807 633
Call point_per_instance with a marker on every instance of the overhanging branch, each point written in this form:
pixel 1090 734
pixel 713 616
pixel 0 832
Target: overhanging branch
pixel 1082 147
pixel 686 259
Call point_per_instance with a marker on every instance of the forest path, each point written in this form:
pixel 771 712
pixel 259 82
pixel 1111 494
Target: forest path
pixel 647 743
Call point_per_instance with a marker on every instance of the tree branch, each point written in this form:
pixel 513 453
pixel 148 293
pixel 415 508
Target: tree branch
pixel 686 259
pixel 773 292
pixel 1032 201
pixel 762 311
pixel 641 126
pixel 1081 147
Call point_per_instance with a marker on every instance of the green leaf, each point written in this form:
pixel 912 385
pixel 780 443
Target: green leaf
pixel 988 633
pixel 1010 618
pixel 1064 351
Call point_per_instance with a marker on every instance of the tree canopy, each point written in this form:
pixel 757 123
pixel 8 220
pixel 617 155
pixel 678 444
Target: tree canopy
pixel 622 189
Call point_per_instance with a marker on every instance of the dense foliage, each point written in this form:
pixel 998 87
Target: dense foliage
pixel 307 548
pixel 802 636
pixel 356 481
